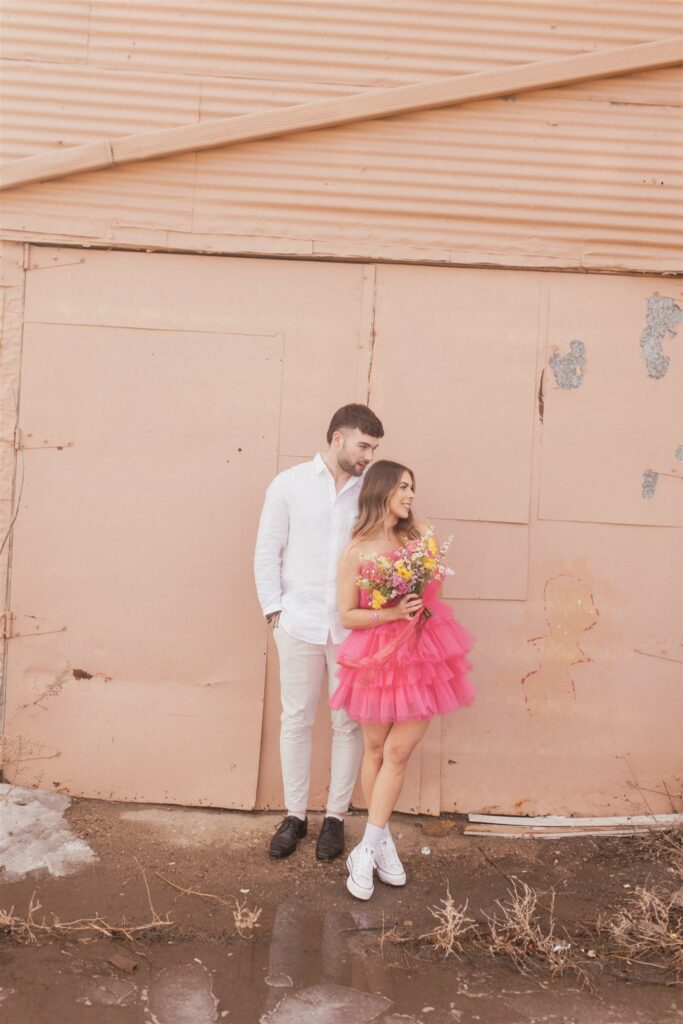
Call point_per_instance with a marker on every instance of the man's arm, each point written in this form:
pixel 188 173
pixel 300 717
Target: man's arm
pixel 270 543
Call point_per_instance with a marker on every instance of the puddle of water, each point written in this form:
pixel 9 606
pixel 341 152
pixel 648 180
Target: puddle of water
pixel 105 991
pixel 183 995
pixel 303 968
pixel 327 1004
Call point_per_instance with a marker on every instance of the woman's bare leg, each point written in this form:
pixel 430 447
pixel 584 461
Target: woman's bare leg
pixel 399 744
pixel 374 736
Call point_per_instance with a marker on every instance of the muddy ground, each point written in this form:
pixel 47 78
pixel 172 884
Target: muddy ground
pixel 314 954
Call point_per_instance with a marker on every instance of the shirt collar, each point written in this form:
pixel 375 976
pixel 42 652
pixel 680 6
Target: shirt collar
pixel 320 467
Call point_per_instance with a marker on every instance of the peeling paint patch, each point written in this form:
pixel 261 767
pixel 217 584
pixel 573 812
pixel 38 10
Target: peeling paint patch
pixel 650 479
pixel 679 453
pixel 570 611
pixel 568 369
pixel 662 317
pixel 52 690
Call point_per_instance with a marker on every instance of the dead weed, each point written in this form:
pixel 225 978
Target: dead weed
pixel 453 925
pixel 648 931
pixel 529 938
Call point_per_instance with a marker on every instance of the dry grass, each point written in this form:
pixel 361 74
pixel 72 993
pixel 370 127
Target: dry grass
pixel 246 919
pixel 662 845
pixel 453 925
pixel 28 929
pixel 648 931
pixel 520 932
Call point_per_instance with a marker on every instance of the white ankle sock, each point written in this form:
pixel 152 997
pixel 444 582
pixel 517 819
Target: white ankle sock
pixel 386 834
pixel 295 814
pixel 372 836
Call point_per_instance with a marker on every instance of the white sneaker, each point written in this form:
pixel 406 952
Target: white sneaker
pixel 361 863
pixel 388 863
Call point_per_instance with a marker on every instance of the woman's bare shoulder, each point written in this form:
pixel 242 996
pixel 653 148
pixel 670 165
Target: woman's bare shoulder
pixel 352 551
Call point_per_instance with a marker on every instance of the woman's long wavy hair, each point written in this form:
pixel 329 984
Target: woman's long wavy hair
pixel 379 483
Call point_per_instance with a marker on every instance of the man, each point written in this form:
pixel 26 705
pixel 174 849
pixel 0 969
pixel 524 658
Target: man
pixel 305 525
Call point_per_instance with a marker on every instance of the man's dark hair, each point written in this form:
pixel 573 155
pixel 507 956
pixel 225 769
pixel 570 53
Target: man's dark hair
pixel 355 416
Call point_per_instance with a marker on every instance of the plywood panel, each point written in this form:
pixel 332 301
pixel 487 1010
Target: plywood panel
pixel 453 376
pixel 613 392
pixel 147 452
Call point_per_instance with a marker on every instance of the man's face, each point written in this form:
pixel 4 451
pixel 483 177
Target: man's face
pixel 356 451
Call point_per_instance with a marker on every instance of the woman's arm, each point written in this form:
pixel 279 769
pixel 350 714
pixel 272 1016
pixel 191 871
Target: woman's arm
pixel 353 617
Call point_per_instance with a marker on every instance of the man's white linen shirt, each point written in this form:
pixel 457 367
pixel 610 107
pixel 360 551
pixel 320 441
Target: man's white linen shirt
pixel 305 525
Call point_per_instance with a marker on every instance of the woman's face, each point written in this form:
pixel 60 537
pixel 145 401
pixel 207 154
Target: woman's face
pixel 401 500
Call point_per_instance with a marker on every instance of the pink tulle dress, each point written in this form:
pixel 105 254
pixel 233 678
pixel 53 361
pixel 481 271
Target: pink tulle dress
pixel 405 670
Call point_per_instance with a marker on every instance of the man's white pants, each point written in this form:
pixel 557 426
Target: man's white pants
pixel 302 669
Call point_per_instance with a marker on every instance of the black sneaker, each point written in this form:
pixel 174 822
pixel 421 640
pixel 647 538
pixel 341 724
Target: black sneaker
pixel 290 830
pixel 331 839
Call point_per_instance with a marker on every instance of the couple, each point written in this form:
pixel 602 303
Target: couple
pixel 390 667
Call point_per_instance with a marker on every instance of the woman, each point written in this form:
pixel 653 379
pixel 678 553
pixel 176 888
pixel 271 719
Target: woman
pixel 404 661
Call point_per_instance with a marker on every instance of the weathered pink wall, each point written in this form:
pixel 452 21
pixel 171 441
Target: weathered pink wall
pixel 148 372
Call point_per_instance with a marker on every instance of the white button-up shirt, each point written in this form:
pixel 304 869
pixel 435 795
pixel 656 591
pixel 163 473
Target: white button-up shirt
pixel 305 525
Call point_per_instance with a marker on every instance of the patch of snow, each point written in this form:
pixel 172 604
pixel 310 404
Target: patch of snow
pixel 34 835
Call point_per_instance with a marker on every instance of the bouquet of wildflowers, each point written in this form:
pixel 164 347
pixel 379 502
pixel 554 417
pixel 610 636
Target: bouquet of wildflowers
pixel 419 562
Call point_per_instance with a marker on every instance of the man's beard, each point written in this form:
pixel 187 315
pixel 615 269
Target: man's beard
pixel 353 468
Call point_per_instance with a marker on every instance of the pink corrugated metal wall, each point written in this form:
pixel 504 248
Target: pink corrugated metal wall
pixel 587 176
pixel 548 437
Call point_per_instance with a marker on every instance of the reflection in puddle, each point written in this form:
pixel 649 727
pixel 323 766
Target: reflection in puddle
pixel 327 1004
pixel 314 956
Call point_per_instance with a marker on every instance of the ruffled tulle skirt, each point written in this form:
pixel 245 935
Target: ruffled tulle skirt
pixel 399 672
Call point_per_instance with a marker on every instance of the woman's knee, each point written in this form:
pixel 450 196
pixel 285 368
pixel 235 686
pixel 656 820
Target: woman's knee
pixel 397 753
pixel 374 751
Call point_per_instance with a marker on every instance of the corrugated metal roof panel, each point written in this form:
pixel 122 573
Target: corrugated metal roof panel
pixel 347 41
pixel 46 105
pixel 77 72
pixel 555 177
pixel 44 30
pixel 371 43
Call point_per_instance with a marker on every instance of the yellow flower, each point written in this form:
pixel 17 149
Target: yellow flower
pixel 402 569
pixel 431 545
pixel 429 564
pixel 378 600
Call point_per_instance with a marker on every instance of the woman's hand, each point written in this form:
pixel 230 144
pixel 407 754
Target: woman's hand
pixel 409 606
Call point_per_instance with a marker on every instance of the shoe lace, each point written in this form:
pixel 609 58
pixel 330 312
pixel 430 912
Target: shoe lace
pixel 389 853
pixel 366 862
